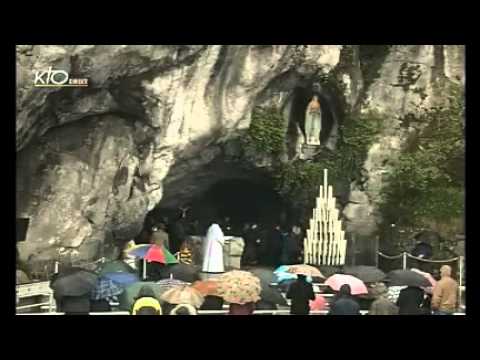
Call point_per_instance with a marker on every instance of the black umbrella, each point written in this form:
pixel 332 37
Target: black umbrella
pixel 285 285
pixel 368 274
pixel 406 278
pixel 271 295
pixel 184 272
pixel 264 274
pixel 73 282
pixel 328 271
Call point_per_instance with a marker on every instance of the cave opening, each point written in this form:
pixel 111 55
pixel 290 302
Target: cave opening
pixel 243 201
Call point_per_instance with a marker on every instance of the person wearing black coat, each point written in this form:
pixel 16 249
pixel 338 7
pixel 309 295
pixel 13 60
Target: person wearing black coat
pixel 410 302
pixel 274 245
pixel 177 233
pixel 250 236
pixel 344 304
pixel 74 305
pixel 212 303
pixel 300 292
pixel 100 306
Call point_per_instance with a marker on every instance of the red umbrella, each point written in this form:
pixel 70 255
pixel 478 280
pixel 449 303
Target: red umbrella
pixel 155 254
pixel 356 285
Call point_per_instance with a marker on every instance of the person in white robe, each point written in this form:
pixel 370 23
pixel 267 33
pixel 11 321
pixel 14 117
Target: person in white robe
pixel 213 250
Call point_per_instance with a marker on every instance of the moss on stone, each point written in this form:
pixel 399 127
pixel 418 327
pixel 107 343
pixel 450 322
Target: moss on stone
pixel 266 134
pixel 424 184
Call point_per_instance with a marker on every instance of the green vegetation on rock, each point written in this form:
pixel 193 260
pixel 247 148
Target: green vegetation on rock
pixel 300 180
pixel 266 134
pixel 426 183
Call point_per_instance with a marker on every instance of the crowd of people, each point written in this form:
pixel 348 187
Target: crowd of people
pixel 270 247
pixel 265 244
pixel 411 300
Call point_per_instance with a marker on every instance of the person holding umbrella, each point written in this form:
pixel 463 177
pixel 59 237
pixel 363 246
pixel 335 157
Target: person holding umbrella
pixel 300 292
pixel 241 289
pixel 344 304
pixel 410 301
pixel 146 303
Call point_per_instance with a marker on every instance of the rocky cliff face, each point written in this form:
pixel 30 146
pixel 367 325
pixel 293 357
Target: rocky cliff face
pixel 93 161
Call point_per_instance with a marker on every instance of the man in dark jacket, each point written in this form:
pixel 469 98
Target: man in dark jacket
pixel 74 305
pixel 275 242
pixel 250 236
pixel 177 233
pixel 410 301
pixel 344 304
pixel 300 292
pixel 294 244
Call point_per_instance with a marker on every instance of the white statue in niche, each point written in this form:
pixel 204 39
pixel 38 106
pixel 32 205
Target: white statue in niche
pixel 313 122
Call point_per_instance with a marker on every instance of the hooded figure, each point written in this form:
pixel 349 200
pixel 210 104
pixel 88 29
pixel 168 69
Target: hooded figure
pixel 213 250
pixel 184 309
pixel 250 236
pixel 177 233
pixel 344 303
pixel 382 306
pixel 301 292
pixel 146 303
pixel 410 301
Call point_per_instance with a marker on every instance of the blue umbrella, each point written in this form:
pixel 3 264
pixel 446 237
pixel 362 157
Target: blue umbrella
pixel 282 274
pixel 122 278
pixel 105 289
pixel 140 251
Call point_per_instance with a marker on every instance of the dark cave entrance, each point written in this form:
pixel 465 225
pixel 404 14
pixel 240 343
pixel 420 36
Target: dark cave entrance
pixel 242 200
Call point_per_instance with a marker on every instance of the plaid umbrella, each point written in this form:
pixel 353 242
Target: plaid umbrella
pixel 105 289
pixel 170 283
pixel 73 282
pixel 183 295
pixel 239 287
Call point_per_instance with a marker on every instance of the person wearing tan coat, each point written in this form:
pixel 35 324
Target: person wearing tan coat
pixel 444 299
